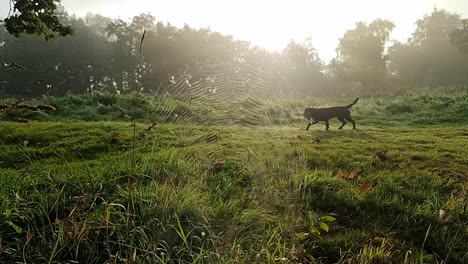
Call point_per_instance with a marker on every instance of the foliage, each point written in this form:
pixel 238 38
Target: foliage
pixel 303 67
pixel 360 55
pixel 459 37
pixel 78 64
pixel 36 17
pixel 429 59
pixel 101 57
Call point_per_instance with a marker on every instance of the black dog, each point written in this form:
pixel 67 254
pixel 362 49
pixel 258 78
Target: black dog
pixel 325 114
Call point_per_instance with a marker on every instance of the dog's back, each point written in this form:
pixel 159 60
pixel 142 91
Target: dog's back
pixel 323 114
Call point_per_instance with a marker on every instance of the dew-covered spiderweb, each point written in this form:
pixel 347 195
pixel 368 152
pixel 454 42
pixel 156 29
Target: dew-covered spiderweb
pixel 240 97
pixel 224 94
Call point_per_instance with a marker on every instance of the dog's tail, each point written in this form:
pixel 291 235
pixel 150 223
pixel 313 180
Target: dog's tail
pixel 355 101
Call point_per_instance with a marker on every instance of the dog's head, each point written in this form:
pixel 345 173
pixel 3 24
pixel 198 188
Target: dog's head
pixel 308 112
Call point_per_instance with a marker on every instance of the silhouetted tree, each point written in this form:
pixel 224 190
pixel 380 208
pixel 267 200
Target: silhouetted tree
pixel 103 56
pixel 405 63
pixel 459 37
pixel 360 55
pixel 303 68
pixel 77 64
pixel 429 59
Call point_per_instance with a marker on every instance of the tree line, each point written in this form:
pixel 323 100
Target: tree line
pixel 102 55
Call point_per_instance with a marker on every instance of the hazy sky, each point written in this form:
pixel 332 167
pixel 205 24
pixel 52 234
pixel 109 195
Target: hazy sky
pixel 272 23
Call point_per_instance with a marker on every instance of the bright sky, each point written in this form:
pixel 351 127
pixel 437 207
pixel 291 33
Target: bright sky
pixel 272 23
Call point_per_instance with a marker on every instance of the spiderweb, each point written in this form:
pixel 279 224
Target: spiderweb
pixel 238 96
pixel 224 94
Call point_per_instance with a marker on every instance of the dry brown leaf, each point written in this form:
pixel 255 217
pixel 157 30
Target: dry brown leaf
pixel 366 186
pixel 293 250
pixel 349 175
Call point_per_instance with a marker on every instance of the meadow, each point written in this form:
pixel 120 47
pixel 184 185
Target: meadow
pixel 240 182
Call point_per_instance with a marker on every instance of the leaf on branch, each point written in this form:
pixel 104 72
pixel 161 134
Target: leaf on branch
pixel 36 18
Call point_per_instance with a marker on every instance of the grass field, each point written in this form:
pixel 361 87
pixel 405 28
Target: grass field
pixel 77 191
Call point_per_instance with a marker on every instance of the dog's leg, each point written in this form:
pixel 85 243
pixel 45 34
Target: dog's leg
pixel 352 122
pixel 342 121
pixel 327 124
pixel 312 122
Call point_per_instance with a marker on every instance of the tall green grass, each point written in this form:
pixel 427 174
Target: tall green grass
pixel 233 194
pixel 421 108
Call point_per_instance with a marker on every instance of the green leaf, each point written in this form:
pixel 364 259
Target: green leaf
pixel 314 230
pixel 324 226
pixel 311 219
pixel 302 235
pixel 328 218
pixel 8 213
pixel 17 228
